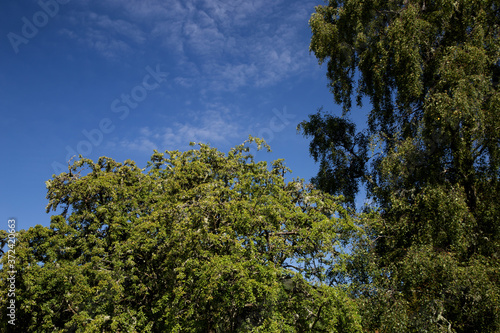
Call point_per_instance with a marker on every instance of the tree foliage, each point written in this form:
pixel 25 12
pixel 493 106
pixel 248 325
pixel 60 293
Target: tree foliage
pixel 342 153
pixel 199 241
pixel 430 69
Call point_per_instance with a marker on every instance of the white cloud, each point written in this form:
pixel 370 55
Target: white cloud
pixel 118 27
pixel 216 126
pixel 141 144
pixel 231 43
pixel 112 38
pixel 213 127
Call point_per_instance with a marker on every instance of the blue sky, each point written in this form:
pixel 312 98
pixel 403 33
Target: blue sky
pixel 120 78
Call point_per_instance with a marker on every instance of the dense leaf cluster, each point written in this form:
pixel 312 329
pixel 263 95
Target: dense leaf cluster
pixel 200 241
pixel 430 69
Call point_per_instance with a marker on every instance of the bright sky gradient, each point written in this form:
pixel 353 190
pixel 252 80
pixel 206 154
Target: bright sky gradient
pixel 120 78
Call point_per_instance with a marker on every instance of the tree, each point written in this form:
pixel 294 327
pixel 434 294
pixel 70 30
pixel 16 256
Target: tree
pixel 430 70
pixel 199 241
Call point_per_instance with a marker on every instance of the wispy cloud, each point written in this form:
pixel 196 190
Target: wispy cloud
pixel 215 126
pixel 111 38
pixel 231 44
pixel 118 27
pixel 141 144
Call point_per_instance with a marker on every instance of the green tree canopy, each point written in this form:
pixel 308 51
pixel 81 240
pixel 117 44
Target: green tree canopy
pixel 199 241
pixel 430 70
